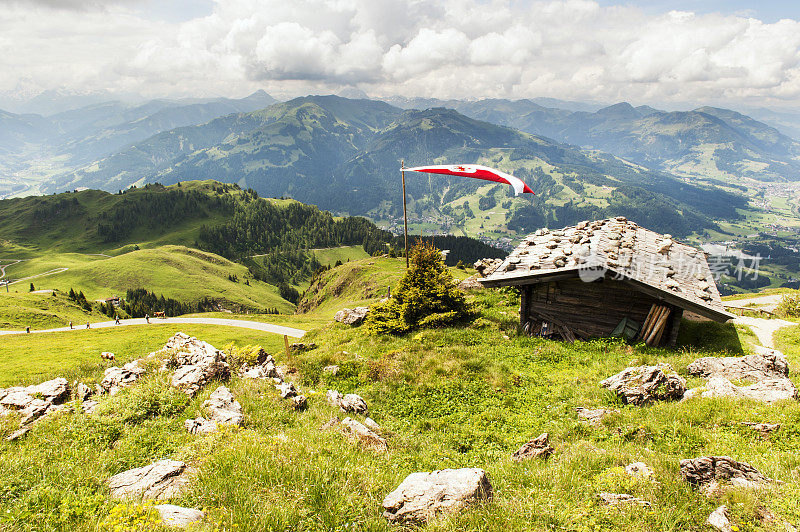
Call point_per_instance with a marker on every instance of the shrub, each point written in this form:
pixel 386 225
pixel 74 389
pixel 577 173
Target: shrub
pixel 790 305
pixel 151 397
pixel 131 517
pixel 426 296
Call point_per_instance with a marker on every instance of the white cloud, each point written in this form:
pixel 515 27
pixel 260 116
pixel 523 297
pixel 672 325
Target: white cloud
pixel 447 48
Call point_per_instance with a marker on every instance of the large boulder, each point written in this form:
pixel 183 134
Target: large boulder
pixel 36 400
pixel 363 434
pixel 767 365
pixel 351 316
pixel 643 384
pixel 486 267
pixel 422 495
pixel 177 516
pixel 538 447
pixel 196 362
pixel 766 390
pixel 348 403
pixel 223 408
pixel 717 468
pixel 116 378
pixel 160 480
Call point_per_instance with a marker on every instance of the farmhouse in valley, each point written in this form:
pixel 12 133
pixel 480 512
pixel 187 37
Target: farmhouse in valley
pixel 608 278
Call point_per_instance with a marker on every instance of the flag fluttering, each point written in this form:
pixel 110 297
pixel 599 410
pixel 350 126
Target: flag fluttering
pixel 476 171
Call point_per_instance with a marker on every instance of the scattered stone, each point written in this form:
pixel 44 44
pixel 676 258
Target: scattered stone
pixel 223 408
pixel 470 283
pixel 264 369
pixel 351 316
pixel 36 400
pixel 753 367
pixel 331 370
pixel 643 384
pixel 639 470
pixel 160 480
pixel 200 425
pixel 371 425
pixel 593 416
pixel 300 347
pixel 18 433
pixel 89 406
pixel 299 402
pixel 716 468
pixel 422 495
pixel 765 429
pixel 621 499
pixel 348 403
pixel 107 356
pixel 719 519
pixel 177 516
pixel 331 423
pixel 286 390
pixel 116 378
pixel 197 362
pixel 364 435
pixel 767 390
pixel 538 447
pixel 82 391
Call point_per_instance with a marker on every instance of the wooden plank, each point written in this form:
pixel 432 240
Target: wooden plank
pixel 659 324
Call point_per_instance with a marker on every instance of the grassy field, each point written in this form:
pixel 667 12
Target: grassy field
pixel 329 256
pixel 41 311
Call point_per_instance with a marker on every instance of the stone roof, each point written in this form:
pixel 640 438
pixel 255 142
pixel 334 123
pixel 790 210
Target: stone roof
pixel 616 248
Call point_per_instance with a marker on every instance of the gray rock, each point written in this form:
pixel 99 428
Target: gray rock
pixel 351 316
pixel 200 425
pixel 639 470
pixel 363 434
pixel 299 402
pixel 89 406
pixel 116 378
pixel 53 391
pixel 593 416
pixel 82 391
pixel 160 480
pixel 643 384
pixel 621 499
pixel 32 402
pixel 750 367
pixel 538 447
pixel 197 362
pixel 331 370
pixel 223 408
pixel 486 267
pixel 763 428
pixel 422 495
pixel 470 283
pixel 717 468
pixel 719 519
pixel 17 434
pixel 371 425
pixel 348 403
pixel 177 516
pixel 286 390
pixel 766 390
pixel 266 370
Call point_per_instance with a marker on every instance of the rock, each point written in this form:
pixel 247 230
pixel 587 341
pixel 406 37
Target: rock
pixel 299 402
pixel 639 470
pixel 53 391
pixel 286 390
pixel 89 406
pixel 593 416
pixel 160 480
pixel 363 434
pixel 223 408
pixel 200 425
pixel 710 468
pixel 107 356
pixel 33 410
pixel 371 425
pixel 422 495
pixel 116 378
pixel 643 384
pixel 82 391
pixel 486 267
pixel 197 363
pixel 470 283
pixel 764 428
pixel 538 447
pixel 621 499
pixel 331 370
pixel 351 316
pixel 720 387
pixel 719 519
pixel 265 370
pixel 753 367
pixel 17 434
pixel 767 390
pixel 348 403
pixel 177 516
pixel 32 402
pixel 300 347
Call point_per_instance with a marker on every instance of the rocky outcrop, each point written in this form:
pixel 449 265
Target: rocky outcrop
pixel 538 447
pixel 767 390
pixel 196 362
pixel 286 390
pixel 363 434
pixel 116 378
pixel 719 519
pixel 32 402
pixel 470 283
pixel 263 369
pixel 200 425
pixel 299 402
pixel 644 384
pixel 718 468
pixel 223 408
pixel 351 316
pixel 639 470
pixel 422 495
pixel 621 499
pixel 765 429
pixel 348 403
pixel 177 516
pixel 486 267
pixel 160 480
pixel 751 367
pixel 593 416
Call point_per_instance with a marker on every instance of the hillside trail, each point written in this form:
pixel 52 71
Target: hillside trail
pixel 768 302
pixel 4 266
pixel 764 328
pixel 244 324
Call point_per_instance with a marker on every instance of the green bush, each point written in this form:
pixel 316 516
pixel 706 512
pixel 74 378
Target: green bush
pixel 426 296
pixel 790 305
pixel 151 397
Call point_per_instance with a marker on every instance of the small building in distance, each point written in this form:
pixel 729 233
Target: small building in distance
pixel 116 301
pixel 608 278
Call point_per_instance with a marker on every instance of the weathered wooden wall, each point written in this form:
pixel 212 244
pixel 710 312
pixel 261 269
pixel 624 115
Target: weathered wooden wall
pixel 591 309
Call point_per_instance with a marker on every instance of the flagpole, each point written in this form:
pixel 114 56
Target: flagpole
pixel 405 216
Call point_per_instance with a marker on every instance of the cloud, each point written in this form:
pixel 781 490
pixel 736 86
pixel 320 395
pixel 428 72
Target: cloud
pixel 446 48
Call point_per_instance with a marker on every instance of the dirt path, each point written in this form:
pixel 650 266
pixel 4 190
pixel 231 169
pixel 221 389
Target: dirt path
pixel 763 328
pixel 49 272
pixel 769 302
pixel 255 325
pixel 4 266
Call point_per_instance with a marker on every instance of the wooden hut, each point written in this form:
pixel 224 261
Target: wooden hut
pixel 608 277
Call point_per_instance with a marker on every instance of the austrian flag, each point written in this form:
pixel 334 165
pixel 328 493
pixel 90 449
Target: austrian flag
pixel 476 171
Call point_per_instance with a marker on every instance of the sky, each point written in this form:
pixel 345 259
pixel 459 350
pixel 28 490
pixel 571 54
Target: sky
pixel 656 52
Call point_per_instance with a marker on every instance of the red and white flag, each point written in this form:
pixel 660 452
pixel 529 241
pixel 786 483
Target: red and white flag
pixel 476 171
